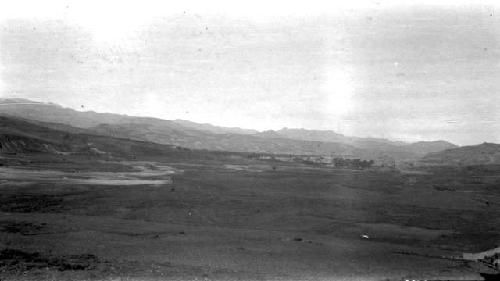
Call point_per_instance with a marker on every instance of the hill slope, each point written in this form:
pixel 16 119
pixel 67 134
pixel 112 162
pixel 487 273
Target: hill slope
pixel 205 136
pixel 214 129
pixel 373 144
pixel 486 153
pixel 20 136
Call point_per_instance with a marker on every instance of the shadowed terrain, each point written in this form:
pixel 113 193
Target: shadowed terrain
pixel 80 206
pixel 204 136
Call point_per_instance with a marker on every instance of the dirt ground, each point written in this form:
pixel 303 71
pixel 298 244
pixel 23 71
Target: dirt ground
pixel 166 219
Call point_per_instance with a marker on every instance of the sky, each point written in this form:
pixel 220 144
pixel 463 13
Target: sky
pixel 422 71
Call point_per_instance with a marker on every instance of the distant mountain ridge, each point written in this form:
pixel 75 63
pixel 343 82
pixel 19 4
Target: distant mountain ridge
pixel 331 136
pixel 485 153
pixel 18 136
pixel 215 129
pixel 322 135
pixel 206 136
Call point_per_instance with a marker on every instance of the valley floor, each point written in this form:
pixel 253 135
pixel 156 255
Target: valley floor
pixel 239 219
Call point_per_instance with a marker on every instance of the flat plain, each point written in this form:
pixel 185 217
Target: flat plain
pixel 230 217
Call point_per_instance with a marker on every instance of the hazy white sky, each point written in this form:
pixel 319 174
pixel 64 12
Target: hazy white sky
pixel 369 68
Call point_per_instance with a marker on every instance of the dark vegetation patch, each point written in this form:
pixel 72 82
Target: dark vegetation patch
pixel 472 241
pixel 13 260
pixel 28 203
pixel 22 227
pixel 76 165
pixel 443 187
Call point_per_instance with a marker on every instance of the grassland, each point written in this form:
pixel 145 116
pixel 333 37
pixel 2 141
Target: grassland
pixel 233 218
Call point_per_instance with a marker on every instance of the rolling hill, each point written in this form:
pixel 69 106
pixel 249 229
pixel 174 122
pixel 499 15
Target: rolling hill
pixel 374 144
pixel 20 137
pixel 205 136
pixel 486 153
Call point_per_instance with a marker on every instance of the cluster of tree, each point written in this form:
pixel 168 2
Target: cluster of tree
pixel 352 163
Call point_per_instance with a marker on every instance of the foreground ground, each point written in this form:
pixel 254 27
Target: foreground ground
pixel 240 219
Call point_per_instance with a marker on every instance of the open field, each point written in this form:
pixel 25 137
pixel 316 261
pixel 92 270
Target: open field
pixel 165 218
pixel 308 141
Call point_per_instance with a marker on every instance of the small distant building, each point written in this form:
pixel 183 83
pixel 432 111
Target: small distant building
pixel 355 163
pixel 265 157
pixel 412 180
pixel 477 179
pixel 391 163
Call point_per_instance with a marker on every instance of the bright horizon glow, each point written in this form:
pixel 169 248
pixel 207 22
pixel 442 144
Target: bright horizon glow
pixel 155 108
pixel 339 90
pixel 391 69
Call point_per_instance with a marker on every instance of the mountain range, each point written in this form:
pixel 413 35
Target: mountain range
pixel 482 154
pixel 209 137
